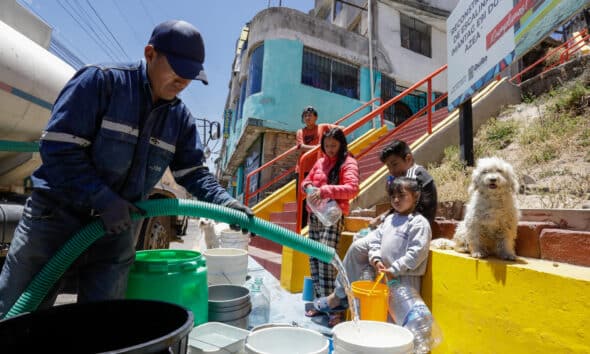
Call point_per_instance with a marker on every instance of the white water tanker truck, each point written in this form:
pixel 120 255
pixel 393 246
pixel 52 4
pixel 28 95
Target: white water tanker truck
pixel 30 80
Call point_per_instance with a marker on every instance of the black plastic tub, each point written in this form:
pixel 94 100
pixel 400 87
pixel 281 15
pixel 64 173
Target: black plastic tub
pixel 118 326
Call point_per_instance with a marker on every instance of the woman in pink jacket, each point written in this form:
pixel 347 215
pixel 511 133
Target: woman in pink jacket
pixel 334 176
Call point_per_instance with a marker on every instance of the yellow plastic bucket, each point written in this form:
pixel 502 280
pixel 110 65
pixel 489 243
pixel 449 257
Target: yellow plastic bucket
pixel 373 304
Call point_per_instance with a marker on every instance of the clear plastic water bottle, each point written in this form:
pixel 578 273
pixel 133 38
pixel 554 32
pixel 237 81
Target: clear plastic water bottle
pixel 409 310
pixel 368 273
pixel 263 288
pixel 260 313
pixel 326 210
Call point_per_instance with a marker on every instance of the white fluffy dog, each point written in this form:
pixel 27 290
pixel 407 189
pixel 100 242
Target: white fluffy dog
pixel 207 227
pixel 491 216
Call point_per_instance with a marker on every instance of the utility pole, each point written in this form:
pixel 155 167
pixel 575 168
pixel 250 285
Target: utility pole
pixel 466 133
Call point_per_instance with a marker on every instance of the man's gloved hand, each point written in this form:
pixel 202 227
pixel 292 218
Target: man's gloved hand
pixel 234 204
pixel 116 217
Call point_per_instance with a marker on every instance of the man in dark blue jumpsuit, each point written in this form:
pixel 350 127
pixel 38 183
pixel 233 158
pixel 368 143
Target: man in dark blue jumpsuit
pixel 113 131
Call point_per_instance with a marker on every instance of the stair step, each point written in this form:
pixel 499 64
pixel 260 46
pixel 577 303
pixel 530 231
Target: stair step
pixel 356 223
pixel 283 216
pixel 287 225
pixel 567 246
pixel 271 261
pixel 266 244
pixel 345 241
pixel 527 241
pixel 290 206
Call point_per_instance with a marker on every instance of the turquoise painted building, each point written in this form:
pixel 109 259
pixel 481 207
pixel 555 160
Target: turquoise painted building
pixel 286 60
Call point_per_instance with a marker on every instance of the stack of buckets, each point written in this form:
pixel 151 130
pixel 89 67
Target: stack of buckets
pixel 229 304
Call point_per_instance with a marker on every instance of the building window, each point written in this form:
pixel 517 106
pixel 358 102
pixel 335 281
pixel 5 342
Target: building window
pixel 255 71
pixel 388 91
pixel 329 74
pixel 337 8
pixel 410 104
pixel 240 107
pixel 415 35
pixel 442 103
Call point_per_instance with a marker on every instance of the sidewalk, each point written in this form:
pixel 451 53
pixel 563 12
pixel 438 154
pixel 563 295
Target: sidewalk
pixel 285 307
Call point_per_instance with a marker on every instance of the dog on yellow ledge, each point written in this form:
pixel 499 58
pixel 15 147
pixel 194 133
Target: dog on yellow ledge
pixel 491 216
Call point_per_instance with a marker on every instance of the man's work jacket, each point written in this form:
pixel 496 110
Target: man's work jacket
pixel 106 138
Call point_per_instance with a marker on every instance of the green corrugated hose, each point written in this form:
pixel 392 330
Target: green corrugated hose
pixel 59 263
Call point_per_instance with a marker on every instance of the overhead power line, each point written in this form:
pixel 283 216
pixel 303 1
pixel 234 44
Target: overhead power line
pixel 59 49
pixel 147 12
pixel 95 26
pixel 138 37
pixel 108 30
pixel 92 34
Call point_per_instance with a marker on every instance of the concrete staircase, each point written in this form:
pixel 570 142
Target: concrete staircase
pixel 370 163
pixel 268 253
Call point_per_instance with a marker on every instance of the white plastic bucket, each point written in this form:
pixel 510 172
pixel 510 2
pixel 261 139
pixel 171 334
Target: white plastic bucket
pixel 226 266
pixel 372 337
pixel 279 340
pixel 233 239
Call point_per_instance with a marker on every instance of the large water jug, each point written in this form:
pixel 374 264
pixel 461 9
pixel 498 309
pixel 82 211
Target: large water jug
pixel 176 276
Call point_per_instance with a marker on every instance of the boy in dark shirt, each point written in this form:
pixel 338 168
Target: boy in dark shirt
pixel 398 158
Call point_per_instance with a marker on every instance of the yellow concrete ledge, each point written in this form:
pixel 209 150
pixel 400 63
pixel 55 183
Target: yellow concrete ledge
pixel 493 306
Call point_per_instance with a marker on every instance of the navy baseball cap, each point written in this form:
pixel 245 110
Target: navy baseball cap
pixel 183 46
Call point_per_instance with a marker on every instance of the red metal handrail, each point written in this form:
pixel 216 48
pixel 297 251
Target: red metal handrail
pixel 562 58
pixel 359 123
pixel 360 109
pixel 403 125
pixel 248 194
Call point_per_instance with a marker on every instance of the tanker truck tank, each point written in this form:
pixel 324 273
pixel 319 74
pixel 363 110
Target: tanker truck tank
pixel 30 81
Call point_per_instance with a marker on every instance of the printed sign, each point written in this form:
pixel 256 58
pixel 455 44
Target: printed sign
pixel 226 122
pixel 485 36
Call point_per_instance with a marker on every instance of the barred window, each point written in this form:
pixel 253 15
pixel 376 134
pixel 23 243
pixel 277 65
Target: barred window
pixel 415 35
pixel 255 71
pixel 329 74
pixel 388 91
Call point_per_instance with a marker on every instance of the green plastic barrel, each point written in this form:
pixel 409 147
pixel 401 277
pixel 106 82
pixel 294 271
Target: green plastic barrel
pixel 176 276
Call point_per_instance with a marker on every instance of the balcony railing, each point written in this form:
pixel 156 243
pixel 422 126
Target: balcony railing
pixel 569 47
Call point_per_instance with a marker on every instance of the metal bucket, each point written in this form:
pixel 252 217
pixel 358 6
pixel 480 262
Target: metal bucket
pixel 229 304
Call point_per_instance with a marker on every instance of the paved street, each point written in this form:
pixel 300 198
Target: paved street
pixel 285 306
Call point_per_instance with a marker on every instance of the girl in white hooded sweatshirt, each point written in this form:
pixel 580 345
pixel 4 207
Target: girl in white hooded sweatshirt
pixel 399 247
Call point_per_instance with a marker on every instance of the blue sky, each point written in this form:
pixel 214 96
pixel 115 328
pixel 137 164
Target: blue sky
pixel 75 23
